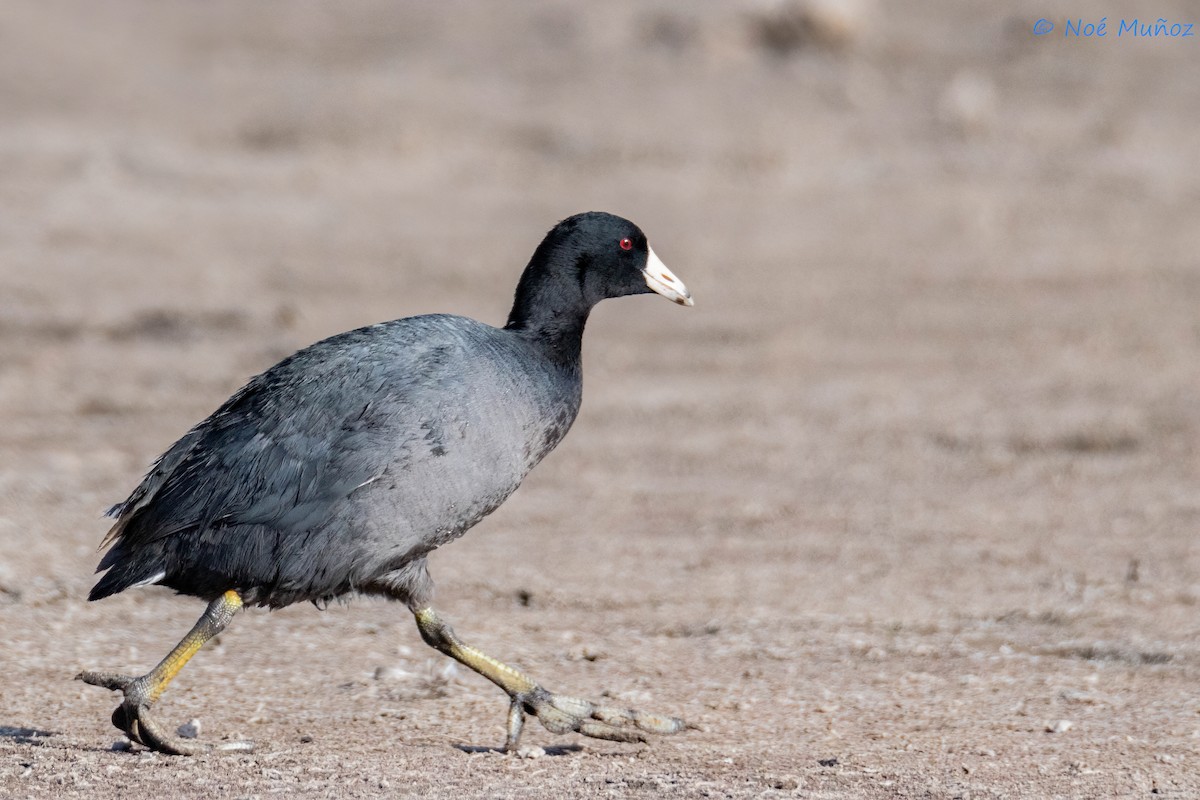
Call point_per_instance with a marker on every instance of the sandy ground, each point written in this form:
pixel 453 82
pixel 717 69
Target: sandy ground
pixel 907 506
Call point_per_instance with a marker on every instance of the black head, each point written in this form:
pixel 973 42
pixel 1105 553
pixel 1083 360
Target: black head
pixel 585 259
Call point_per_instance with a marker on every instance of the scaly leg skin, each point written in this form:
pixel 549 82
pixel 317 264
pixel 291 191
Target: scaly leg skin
pixel 133 715
pixel 558 713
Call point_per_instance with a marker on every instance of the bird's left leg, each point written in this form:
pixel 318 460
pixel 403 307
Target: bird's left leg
pixel 558 713
pixel 133 715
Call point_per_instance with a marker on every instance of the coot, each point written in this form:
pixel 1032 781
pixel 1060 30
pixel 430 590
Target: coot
pixel 340 468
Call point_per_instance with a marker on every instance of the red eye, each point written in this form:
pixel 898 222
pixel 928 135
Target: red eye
pixel 626 244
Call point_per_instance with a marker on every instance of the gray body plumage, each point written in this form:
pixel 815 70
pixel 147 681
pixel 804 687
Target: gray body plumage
pixel 341 467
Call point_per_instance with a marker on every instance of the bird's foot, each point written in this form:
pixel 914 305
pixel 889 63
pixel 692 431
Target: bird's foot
pixel 133 717
pixel 561 713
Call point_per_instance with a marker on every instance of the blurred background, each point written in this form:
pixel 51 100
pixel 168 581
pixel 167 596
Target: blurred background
pixel 934 413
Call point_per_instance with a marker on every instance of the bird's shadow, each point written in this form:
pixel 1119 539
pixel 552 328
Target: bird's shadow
pixel 22 735
pixel 554 750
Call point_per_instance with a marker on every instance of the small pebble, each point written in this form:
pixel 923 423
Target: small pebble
pixel 121 746
pixel 189 729
pixel 1062 726
pixel 530 752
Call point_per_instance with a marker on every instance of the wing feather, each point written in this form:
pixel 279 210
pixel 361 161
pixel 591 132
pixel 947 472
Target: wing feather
pixel 285 449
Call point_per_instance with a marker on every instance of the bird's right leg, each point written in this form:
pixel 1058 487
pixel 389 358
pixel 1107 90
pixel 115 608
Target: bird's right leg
pixel 133 715
pixel 559 713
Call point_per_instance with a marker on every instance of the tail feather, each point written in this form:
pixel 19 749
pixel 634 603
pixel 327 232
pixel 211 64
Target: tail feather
pixel 123 574
pixel 118 526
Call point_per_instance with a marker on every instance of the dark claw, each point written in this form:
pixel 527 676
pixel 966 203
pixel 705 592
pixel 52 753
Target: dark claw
pixel 562 714
pixel 133 718
pixel 129 724
pixel 106 680
pixel 602 730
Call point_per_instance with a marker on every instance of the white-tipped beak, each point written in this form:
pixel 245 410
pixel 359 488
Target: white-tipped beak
pixel 662 280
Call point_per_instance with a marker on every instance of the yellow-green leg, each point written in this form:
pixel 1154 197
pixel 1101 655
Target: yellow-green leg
pixel 133 716
pixel 558 713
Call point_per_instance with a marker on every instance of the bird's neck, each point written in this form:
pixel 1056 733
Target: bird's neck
pixel 560 338
pixel 550 310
